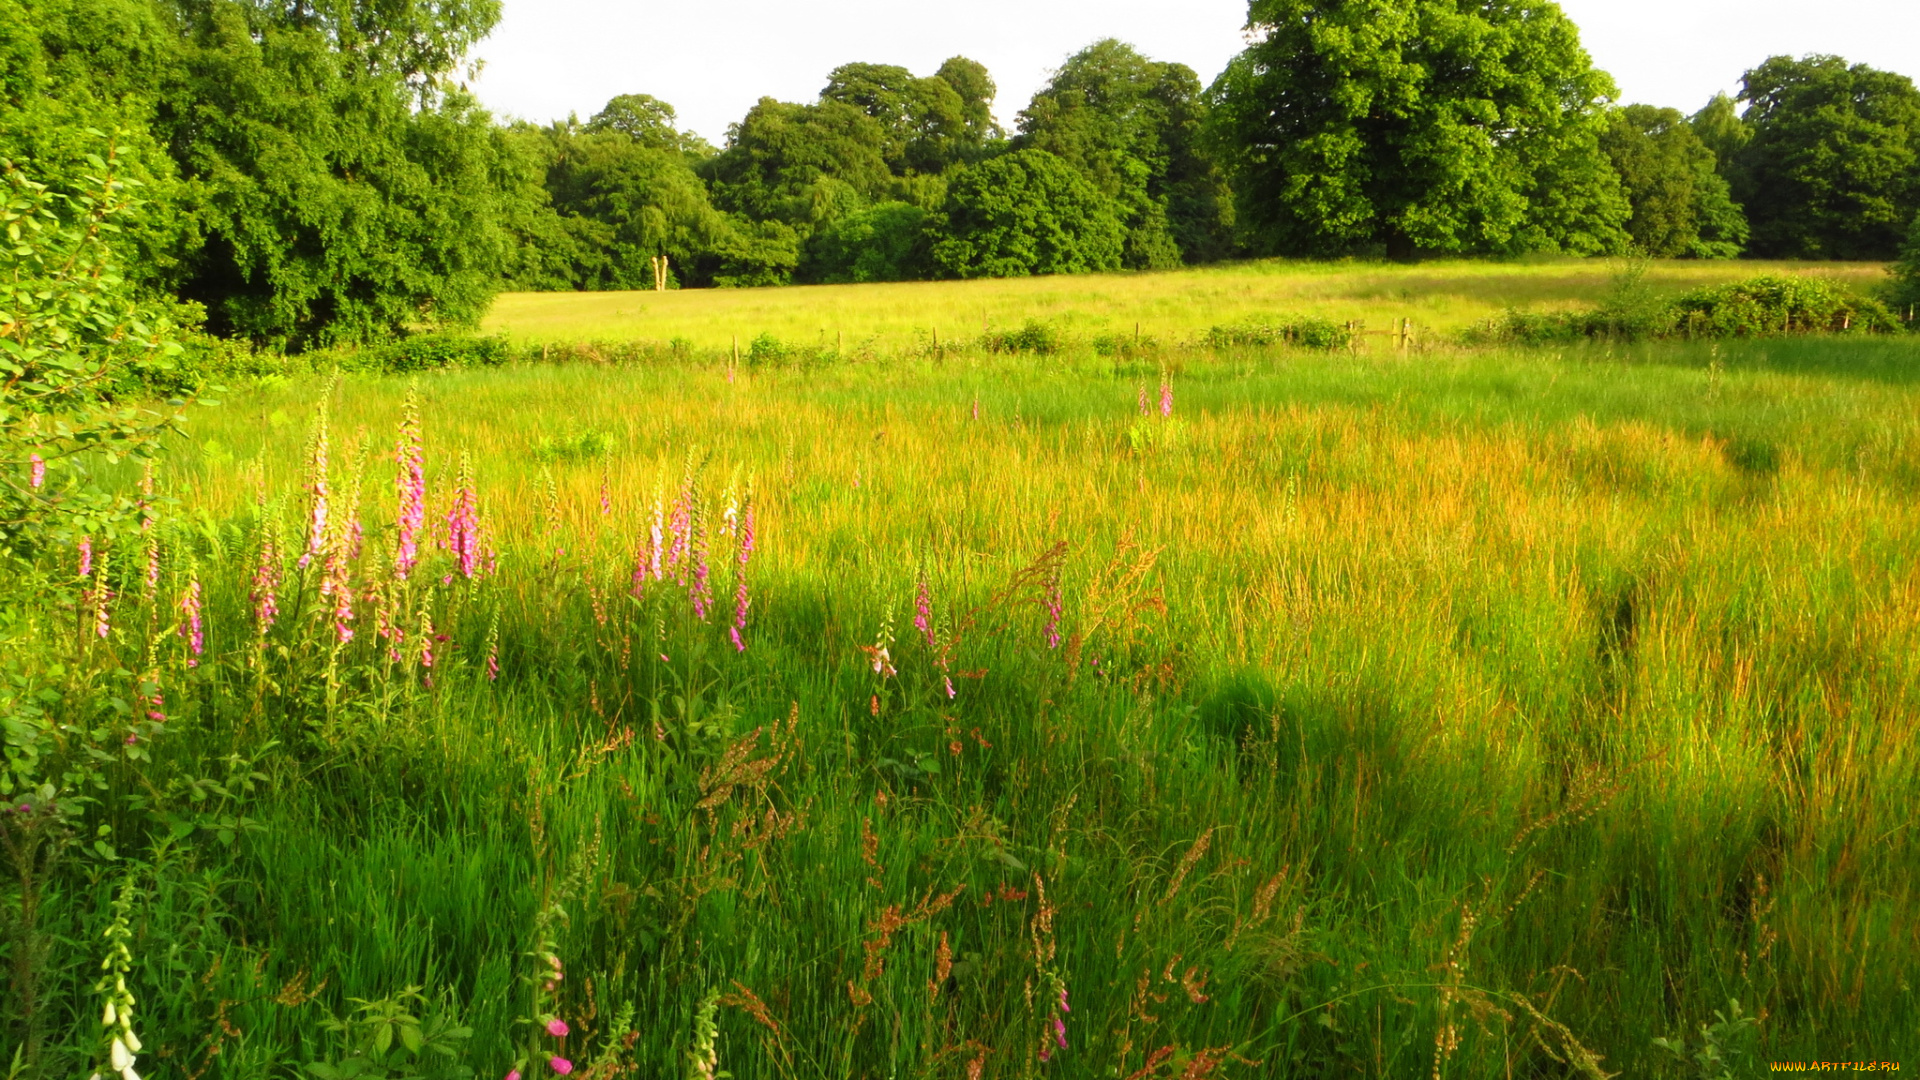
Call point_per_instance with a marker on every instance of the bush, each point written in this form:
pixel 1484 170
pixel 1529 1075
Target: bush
pixel 1300 333
pixel 1769 305
pixel 1035 337
pixel 432 352
pixel 1766 306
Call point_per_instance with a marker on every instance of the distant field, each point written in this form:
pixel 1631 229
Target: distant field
pixel 1438 296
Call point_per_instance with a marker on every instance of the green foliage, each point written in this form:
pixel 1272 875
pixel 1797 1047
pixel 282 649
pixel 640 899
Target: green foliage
pixel 1026 213
pixel 800 164
pixel 1832 168
pixel 1765 306
pixel 1728 1048
pixel 1034 337
pixel 884 242
pixel 1906 272
pixel 76 339
pixel 1681 206
pixel 649 122
pixel 1411 126
pixel 1132 125
pixel 924 121
pixel 1304 333
pixel 401 1037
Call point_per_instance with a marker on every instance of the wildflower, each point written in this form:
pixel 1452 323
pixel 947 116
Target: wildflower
pixel 654 549
pixel 99 596
pixel 153 563
pixel 410 483
pixel 699 585
pixel 36 471
pixel 426 642
pixel 560 1065
pixel 1144 411
pixel 86 557
pixel 923 611
pixel 513 1074
pixel 741 601
pixel 606 493
pixel 976 408
pixel 316 491
pixel 557 1027
pixel 191 628
pixel 493 649
pixel 1166 395
pixel 266 586
pixel 951 692
pixel 463 524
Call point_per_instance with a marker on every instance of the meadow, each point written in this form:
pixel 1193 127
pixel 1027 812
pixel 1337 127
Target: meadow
pixel 1439 297
pixel 1172 713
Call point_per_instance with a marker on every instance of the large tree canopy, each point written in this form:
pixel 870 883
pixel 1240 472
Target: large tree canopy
pixel 1681 205
pixel 1832 166
pixel 1027 213
pixel 1418 125
pixel 1132 125
pixel 316 172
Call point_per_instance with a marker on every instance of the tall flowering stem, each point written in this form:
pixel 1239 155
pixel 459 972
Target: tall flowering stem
pixel 1166 395
pixel 741 600
pixel 36 471
pixel 98 596
pixel 317 489
pixel 116 1017
pixel 190 624
pixel 464 538
pixel 265 593
pixel 410 484
pixel 85 547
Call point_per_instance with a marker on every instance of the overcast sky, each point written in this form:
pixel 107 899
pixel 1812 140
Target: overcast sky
pixel 712 59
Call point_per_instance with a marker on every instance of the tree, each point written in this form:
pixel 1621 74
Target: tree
pixel 1406 126
pixel 925 120
pixel 1132 126
pixel 1026 213
pixel 649 122
pixel 800 164
pixel 1681 205
pixel 884 242
pixel 1832 170
pixel 1906 273
pixel 970 80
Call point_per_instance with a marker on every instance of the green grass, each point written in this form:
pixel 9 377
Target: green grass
pixel 1172 307
pixel 1541 698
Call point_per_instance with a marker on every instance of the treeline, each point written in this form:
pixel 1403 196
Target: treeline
pixel 316 171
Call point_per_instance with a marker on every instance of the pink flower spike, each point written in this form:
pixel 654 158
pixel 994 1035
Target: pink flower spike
pixel 560 1065
pixel 557 1028
pixel 513 1074
pixel 1166 395
pixel 37 472
pixel 86 556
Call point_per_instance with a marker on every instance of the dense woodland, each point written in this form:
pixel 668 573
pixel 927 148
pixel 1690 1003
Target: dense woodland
pixel 318 172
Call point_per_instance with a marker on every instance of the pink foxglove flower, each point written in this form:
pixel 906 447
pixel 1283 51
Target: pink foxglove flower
pixel 557 1028
pixel 513 1074
pixel 86 557
pixel 1144 411
pixel 36 471
pixel 464 539
pixel 190 626
pixel 410 483
pixel 560 1065
pixel 741 601
pixel 1166 396
pixel 266 586
pixel 923 611
pixel 153 564
pixel 317 492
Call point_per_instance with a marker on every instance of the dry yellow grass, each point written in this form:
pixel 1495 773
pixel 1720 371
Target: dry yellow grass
pixel 1438 296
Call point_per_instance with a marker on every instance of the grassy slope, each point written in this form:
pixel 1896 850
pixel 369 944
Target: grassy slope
pixel 1614 653
pixel 1173 307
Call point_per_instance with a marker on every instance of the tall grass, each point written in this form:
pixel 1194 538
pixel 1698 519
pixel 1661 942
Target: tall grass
pixel 1440 297
pixel 1481 714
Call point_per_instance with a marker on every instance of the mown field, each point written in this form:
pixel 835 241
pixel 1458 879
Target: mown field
pixel 1188 714
pixel 1440 297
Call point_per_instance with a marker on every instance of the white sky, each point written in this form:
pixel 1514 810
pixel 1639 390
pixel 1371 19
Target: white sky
pixel 712 59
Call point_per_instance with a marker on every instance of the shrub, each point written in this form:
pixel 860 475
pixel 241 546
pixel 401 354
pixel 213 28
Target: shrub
pixel 1305 333
pixel 1772 305
pixel 431 352
pixel 1035 337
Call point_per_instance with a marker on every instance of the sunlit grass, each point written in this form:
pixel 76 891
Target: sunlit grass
pixel 1440 297
pixel 1585 678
